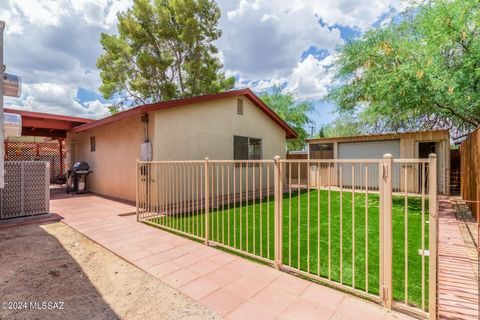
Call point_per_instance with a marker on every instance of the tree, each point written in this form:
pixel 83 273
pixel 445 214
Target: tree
pixel 420 71
pixel 164 50
pixel 293 113
pixel 321 133
pixel 345 125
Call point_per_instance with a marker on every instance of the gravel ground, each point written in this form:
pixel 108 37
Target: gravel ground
pixel 54 263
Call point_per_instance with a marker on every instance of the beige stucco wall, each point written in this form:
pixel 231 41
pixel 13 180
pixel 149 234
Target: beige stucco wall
pixel 190 132
pixel 206 129
pixel 113 162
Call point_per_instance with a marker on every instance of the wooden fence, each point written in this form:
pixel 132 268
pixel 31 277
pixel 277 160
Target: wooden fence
pixel 470 167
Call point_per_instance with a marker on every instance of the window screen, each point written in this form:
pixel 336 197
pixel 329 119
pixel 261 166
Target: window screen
pixel 245 148
pixel 254 149
pixel 321 151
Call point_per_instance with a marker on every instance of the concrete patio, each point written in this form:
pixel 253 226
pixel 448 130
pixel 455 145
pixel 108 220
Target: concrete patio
pixel 234 287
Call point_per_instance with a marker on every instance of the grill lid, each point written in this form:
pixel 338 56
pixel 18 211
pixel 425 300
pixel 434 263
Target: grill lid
pixel 80 166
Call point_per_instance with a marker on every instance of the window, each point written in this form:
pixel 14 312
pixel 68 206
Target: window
pixel 240 106
pixel 92 144
pixel 245 148
pixel 321 151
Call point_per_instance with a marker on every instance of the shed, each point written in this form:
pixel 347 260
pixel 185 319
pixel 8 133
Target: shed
pixel 407 145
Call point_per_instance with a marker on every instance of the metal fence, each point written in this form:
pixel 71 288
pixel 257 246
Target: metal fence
pixel 365 226
pixel 26 191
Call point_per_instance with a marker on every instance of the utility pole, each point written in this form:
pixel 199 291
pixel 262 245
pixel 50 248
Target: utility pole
pixel 2 134
pixel 312 127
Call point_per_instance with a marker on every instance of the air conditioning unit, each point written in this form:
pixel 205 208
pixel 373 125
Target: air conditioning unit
pixel 12 125
pixel 12 85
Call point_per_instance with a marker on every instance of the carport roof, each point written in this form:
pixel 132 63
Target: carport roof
pixel 45 124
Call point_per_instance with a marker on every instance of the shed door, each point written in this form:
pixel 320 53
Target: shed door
pixel 366 150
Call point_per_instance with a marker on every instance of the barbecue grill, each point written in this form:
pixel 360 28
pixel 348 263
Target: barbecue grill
pixel 77 177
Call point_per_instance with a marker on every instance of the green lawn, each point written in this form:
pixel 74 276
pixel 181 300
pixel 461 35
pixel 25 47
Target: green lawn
pixel 260 236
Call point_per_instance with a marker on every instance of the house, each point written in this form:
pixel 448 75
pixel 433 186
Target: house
pixel 233 125
pixel 408 145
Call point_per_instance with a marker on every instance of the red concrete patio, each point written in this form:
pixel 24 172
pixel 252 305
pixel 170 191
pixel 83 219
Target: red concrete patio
pixel 234 287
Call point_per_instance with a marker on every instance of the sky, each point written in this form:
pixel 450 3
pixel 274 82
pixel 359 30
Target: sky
pixel 53 45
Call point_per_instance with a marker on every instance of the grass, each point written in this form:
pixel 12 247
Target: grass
pixel 228 225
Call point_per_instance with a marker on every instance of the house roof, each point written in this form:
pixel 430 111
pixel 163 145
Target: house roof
pixel 380 136
pixel 187 101
pixel 45 124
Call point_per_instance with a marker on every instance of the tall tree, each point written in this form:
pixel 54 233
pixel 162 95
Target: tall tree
pixel 345 125
pixel 164 50
pixel 293 113
pixel 420 71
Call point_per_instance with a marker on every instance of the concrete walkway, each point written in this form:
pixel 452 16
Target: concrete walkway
pixel 458 292
pixel 234 287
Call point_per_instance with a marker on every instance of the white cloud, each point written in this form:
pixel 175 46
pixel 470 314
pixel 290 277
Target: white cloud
pixel 311 77
pixel 264 39
pixel 56 98
pixel 54 45
pixel 308 80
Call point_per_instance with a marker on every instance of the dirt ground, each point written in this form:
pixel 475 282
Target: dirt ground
pixel 80 279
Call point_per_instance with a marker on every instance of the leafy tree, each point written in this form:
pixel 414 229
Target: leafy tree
pixel 293 113
pixel 164 50
pixel 321 133
pixel 345 125
pixel 420 71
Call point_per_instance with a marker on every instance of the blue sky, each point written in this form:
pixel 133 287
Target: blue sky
pixel 54 45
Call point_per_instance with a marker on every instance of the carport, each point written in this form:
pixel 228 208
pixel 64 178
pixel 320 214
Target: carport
pixel 33 160
pixel 50 131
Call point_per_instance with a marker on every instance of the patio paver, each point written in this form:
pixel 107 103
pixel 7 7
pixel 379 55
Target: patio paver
pixel 234 287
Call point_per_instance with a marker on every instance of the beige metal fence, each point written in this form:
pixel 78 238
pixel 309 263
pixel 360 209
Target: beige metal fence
pixel 365 226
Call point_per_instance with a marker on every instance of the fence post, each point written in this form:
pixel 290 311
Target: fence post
pixel 136 189
pixel 386 190
pixel 207 202
pixel 278 195
pixel 432 229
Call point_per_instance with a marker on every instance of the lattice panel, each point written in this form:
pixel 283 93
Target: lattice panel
pixel 36 187
pixel 11 195
pixel 26 189
pixel 37 151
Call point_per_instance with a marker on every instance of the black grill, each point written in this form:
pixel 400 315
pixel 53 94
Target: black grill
pixel 77 177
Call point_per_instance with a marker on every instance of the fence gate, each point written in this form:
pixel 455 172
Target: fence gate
pixel 366 226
